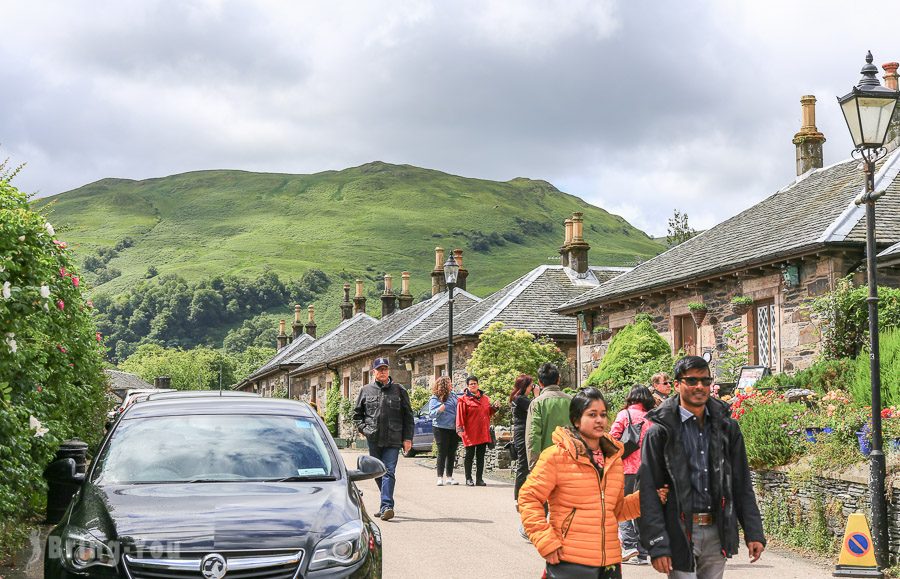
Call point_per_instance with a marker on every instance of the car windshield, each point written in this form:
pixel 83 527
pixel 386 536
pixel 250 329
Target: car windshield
pixel 215 448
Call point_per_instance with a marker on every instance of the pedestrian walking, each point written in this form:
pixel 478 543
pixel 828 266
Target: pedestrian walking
pixel 519 401
pixel 661 387
pixel 549 410
pixel 473 422
pixel 442 410
pixel 697 448
pixel 384 416
pixel 637 404
pixel 581 479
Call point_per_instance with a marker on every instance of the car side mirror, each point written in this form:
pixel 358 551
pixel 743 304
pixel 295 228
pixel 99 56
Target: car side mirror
pixel 367 467
pixel 65 471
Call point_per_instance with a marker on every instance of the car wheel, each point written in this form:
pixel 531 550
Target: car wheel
pixel 408 453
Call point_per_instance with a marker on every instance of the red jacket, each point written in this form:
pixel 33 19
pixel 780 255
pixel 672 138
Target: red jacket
pixel 473 418
pixel 632 462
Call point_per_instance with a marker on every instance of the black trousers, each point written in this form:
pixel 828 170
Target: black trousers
pixel 521 462
pixel 575 571
pixel 475 451
pixel 447 442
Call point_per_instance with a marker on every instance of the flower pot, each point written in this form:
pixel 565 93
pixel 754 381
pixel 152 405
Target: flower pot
pixel 699 316
pixel 812 432
pixel 741 309
pixel 865 445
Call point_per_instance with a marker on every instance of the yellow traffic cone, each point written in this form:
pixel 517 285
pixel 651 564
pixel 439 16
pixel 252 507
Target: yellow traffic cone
pixel 857 558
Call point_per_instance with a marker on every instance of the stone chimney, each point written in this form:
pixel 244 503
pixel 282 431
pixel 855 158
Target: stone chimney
pixel 346 306
pixel 406 298
pixel 892 140
pixel 162 382
pixel 463 272
pixel 564 250
pixel 311 321
pixel 297 326
pixel 281 340
pixel 809 140
pixel 359 300
pixel 578 247
pixel 388 299
pixel 438 283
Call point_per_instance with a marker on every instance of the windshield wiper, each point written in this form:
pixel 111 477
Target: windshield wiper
pixel 304 478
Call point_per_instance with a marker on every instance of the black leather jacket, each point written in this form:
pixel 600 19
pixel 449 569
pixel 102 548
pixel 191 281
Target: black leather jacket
pixel 666 529
pixel 383 414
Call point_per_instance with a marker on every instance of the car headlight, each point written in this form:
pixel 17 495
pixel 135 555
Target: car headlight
pixel 82 550
pixel 345 546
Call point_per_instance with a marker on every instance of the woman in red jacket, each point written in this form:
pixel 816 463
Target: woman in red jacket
pixel 473 421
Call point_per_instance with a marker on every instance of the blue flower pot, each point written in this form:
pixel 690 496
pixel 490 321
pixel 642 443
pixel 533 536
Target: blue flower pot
pixel 865 445
pixel 812 432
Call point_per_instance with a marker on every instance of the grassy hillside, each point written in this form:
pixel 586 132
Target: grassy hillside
pixel 357 222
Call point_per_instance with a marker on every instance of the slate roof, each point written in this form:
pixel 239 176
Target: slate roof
pixel 396 329
pixel 526 303
pixel 890 256
pixel 345 334
pixel 813 212
pixel 122 381
pixel 277 361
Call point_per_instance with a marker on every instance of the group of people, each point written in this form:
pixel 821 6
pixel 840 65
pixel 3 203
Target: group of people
pixel 672 495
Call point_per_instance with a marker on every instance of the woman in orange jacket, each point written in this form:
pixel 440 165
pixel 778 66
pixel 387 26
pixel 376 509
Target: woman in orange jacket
pixel 581 479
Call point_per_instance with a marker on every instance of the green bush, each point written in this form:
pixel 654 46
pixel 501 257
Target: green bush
pixel 333 406
pixel 501 355
pixel 860 387
pixel 845 315
pixel 635 354
pixel 51 365
pixel 823 376
pixel 418 397
pixel 773 433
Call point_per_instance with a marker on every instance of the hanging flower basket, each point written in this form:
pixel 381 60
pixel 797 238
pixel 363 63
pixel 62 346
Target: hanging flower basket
pixel 698 312
pixel 740 305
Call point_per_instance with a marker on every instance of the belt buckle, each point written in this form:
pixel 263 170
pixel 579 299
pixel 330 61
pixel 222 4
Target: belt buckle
pixel 703 519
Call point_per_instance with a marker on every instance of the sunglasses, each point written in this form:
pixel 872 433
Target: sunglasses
pixel 693 381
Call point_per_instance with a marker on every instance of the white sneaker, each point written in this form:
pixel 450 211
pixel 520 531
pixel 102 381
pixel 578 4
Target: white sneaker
pixel 450 481
pixel 628 554
pixel 440 482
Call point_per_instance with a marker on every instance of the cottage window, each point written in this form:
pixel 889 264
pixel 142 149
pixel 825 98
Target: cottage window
pixel 346 387
pixel 766 329
pixel 440 370
pixel 686 335
pixel 365 377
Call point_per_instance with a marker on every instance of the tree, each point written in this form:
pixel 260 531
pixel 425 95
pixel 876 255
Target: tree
pixel 635 354
pixel 52 385
pixel 196 369
pixel 501 355
pixel 679 229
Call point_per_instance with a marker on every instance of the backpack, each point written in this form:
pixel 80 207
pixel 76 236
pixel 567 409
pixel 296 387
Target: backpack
pixel 631 436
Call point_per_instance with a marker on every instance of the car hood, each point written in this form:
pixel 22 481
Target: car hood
pixel 221 516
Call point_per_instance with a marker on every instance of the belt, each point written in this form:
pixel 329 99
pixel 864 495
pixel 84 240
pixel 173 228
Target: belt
pixel 703 519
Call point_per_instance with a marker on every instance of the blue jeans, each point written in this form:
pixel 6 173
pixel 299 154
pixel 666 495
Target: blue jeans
pixel 389 456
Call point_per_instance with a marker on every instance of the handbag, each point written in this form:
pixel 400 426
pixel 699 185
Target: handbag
pixel 493 442
pixel 631 436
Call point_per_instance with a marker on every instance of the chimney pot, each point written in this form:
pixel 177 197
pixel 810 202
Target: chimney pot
pixel 438 283
pixel 346 305
pixel 311 321
pixel 359 302
pixel 463 272
pixel 809 140
pixel 890 74
pixel 388 284
pixel 388 299
pixel 577 227
pixel 568 239
pixel 575 253
pixel 439 258
pixel 359 288
pixel 297 326
pixel 281 340
pixel 405 300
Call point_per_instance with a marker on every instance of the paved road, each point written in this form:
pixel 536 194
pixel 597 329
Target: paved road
pixel 468 532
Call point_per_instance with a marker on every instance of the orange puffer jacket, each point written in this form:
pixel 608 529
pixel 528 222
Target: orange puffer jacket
pixel 585 509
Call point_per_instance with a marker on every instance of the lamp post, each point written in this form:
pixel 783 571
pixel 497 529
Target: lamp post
pixel 868 109
pixel 451 270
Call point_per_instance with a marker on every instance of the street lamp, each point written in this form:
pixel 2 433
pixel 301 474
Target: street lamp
pixel 451 270
pixel 868 109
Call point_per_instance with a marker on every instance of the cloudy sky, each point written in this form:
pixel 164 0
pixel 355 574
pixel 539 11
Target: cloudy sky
pixel 639 107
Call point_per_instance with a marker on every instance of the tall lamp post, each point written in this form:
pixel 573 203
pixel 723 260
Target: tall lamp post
pixel 451 270
pixel 868 109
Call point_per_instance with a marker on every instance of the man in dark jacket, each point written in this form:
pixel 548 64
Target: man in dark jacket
pixel 696 448
pixel 384 415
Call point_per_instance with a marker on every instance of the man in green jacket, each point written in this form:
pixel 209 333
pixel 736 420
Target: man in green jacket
pixel 549 410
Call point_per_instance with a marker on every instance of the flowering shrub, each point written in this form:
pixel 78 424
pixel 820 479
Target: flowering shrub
pixel 51 380
pixel 772 430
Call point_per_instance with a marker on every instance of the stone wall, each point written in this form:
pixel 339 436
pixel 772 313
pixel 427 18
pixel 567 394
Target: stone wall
pixel 424 362
pixel 798 339
pixel 840 495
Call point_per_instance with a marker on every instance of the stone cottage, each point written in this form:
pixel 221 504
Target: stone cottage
pixel 780 253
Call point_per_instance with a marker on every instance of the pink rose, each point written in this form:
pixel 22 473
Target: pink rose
pixel 99 336
pixel 61 304
pixel 75 280
pixel 61 349
pixel 62 272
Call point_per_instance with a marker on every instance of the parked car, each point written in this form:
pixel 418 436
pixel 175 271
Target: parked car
pixel 211 485
pixel 131 396
pixel 423 433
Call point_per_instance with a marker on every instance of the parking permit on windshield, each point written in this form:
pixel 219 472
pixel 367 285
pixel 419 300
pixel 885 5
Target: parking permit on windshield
pixel 310 471
pixel 304 424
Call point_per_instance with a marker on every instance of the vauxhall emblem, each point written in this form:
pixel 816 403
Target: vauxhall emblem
pixel 213 566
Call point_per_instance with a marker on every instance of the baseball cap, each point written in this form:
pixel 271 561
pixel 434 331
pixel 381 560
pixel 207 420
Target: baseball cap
pixel 379 362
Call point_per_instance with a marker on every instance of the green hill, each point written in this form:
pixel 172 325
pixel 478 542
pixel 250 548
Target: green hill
pixel 361 221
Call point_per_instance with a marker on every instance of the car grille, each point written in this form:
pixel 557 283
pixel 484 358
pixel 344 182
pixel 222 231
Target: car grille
pixel 239 566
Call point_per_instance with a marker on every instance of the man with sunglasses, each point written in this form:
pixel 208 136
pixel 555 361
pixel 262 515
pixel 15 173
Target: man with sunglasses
pixel 696 448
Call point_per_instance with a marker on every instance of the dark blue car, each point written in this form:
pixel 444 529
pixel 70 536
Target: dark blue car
pixel 423 433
